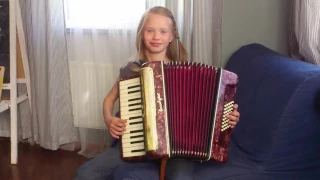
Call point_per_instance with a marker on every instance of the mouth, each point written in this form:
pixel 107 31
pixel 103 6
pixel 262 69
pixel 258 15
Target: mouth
pixel 155 44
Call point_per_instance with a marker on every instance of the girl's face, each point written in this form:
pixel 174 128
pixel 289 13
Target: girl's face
pixel 157 33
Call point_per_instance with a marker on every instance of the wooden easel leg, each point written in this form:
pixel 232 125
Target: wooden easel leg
pixel 13 82
pixel 23 50
pixel 163 168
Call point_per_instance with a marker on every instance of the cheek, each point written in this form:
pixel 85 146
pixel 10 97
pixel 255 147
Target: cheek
pixel 145 36
pixel 168 38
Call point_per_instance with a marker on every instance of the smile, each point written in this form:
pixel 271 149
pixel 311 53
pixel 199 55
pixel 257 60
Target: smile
pixel 155 44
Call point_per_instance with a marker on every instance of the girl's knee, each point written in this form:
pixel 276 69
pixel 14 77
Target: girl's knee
pixel 143 171
pixel 86 172
pixel 177 169
pixel 83 173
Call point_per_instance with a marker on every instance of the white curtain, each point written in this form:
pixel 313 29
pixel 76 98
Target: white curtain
pixel 98 45
pixel 51 123
pixel 304 31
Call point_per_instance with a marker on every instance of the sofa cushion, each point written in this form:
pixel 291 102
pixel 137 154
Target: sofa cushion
pixel 317 102
pixel 270 86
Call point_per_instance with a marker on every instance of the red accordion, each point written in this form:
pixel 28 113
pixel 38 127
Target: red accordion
pixel 177 110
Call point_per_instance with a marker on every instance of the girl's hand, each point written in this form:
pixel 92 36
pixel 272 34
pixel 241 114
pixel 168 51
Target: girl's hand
pixel 234 116
pixel 116 126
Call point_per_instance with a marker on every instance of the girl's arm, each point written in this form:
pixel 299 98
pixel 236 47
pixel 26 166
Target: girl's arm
pixel 116 126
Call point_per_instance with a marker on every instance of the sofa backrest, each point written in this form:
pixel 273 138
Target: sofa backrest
pixel 279 122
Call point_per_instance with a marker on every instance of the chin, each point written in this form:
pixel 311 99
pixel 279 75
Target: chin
pixel 156 50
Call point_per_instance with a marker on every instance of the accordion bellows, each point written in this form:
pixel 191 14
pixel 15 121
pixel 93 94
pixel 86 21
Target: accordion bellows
pixel 177 110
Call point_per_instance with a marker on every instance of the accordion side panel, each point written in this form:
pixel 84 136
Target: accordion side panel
pixel 222 130
pixel 156 129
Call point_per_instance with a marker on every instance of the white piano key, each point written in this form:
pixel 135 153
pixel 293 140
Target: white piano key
pixel 129 115
pixel 127 108
pixel 131 96
pixel 129 99
pixel 137 128
pixel 137 79
pixel 138 146
pixel 127 146
pixel 130 140
pixel 125 136
pixel 130 108
pixel 139 120
pixel 127 103
pixel 132 154
pixel 128 90
pixel 135 118
pixel 134 126
pixel 125 83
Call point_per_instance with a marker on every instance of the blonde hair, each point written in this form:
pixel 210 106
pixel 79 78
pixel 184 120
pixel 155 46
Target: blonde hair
pixel 175 49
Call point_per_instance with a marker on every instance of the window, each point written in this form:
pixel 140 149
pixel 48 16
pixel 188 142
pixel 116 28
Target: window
pixel 103 14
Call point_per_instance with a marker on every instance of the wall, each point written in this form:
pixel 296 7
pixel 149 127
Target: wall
pixel 254 21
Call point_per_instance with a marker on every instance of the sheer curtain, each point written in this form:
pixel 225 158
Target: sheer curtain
pixel 199 24
pixel 304 31
pixel 101 38
pixel 51 124
pixel 99 42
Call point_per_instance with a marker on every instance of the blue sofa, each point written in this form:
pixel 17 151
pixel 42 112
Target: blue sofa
pixel 278 135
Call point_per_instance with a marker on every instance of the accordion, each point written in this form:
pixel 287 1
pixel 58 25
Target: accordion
pixel 177 110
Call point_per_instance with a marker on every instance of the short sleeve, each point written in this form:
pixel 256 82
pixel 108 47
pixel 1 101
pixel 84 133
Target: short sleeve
pixel 131 69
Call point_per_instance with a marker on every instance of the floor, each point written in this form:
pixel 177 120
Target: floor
pixel 36 163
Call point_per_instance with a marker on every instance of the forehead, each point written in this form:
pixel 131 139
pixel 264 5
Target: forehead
pixel 158 21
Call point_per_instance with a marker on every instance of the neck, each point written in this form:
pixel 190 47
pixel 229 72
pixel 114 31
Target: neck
pixel 156 56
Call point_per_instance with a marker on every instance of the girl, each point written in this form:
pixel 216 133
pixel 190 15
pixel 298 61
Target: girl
pixel 157 40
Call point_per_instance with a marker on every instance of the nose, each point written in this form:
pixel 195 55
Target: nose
pixel 156 35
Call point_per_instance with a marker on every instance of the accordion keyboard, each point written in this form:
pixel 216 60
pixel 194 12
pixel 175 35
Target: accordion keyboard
pixel 131 110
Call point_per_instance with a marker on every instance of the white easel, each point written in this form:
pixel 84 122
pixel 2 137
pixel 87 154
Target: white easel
pixel 16 35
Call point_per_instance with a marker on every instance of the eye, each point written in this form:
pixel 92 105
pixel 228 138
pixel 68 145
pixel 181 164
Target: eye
pixel 149 30
pixel 163 31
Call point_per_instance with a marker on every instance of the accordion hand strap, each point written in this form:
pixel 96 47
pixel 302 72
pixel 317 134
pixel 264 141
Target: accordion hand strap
pixel 163 168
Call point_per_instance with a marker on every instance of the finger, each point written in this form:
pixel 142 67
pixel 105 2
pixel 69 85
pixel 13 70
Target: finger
pixel 117 128
pixel 235 107
pixel 232 123
pixel 235 113
pixel 117 133
pixel 113 135
pixel 232 118
pixel 120 124
pixel 232 127
pixel 123 121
